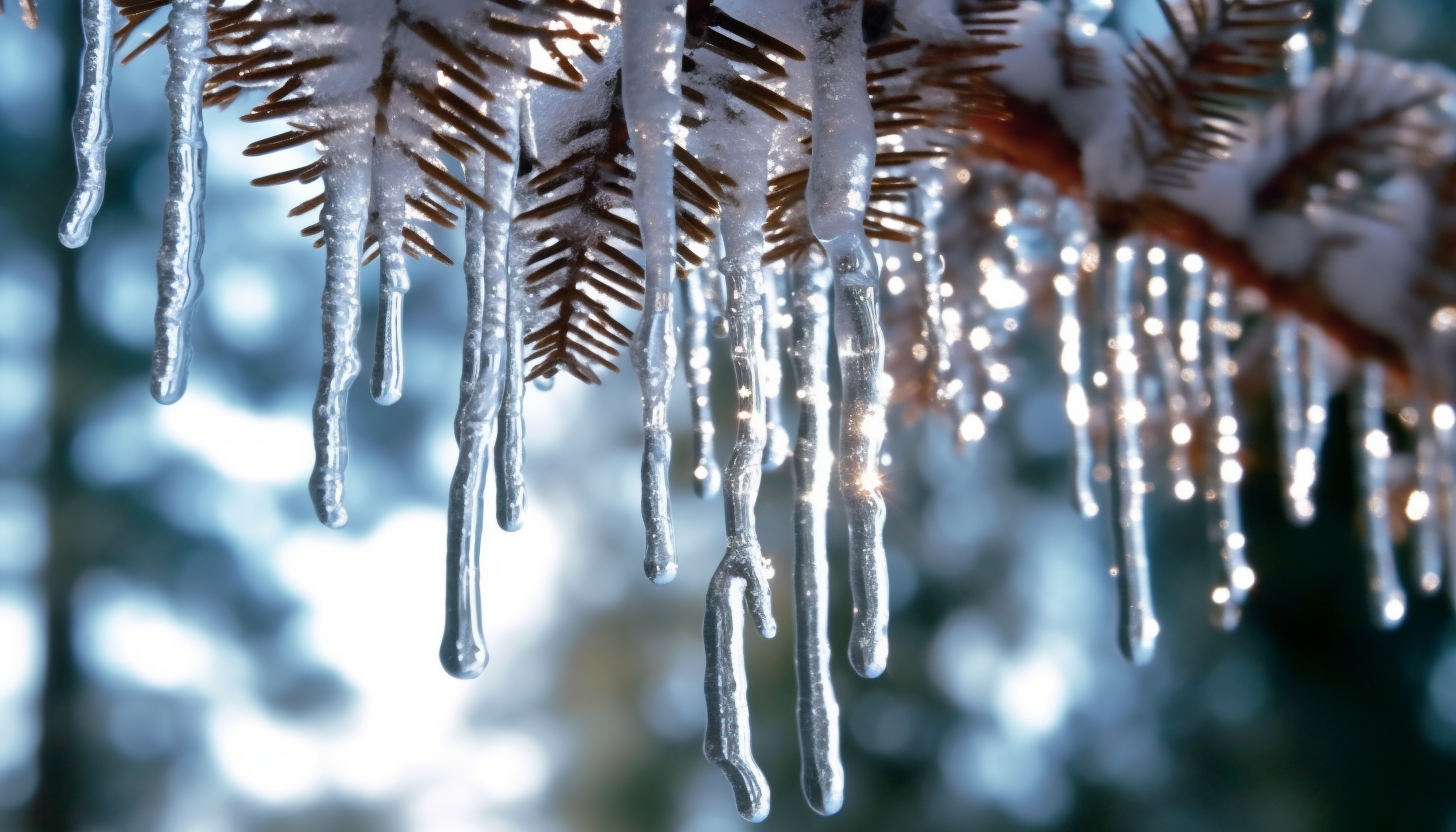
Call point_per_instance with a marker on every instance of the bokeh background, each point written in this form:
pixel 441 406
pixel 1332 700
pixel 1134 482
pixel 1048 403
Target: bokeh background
pixel 184 649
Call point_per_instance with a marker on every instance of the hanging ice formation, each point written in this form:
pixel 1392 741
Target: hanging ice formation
pixel 911 177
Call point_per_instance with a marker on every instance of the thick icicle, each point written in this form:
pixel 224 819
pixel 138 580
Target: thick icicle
pixel 743 574
pixel 1137 625
pixel 510 443
pixel 698 369
pixel 487 236
pixel 652 43
pixel 179 263
pixel 91 128
pixel 776 442
pixel 1225 522
pixel 1158 324
pixel 1372 460
pixel 838 192
pixel 1084 494
pixel 821 772
pixel 386 382
pixel 345 212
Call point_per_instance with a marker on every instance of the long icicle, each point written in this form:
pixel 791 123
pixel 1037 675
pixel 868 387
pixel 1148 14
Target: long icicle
pixel 345 213
pixel 1226 528
pixel 838 193
pixel 776 444
pixel 463 652
pixel 1137 626
pixel 179 263
pixel 510 443
pixel 743 574
pixel 1084 493
pixel 1372 461
pixel 91 128
pixel 821 772
pixel 652 44
pixel 1158 324
pixel 707 477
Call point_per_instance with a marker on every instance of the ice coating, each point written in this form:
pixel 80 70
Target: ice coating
pixel 1084 458
pixel 462 647
pixel 652 44
pixel 1137 629
pixel 776 436
pixel 91 128
pixel 1226 528
pixel 742 576
pixel 345 212
pixel 1372 463
pixel 838 191
pixel 1158 323
pixel 179 263
pixel 386 383
pixel 821 772
pixel 707 477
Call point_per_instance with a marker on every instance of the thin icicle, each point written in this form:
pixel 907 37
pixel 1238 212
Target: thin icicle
pixel 1372 455
pixel 1084 494
pixel 1190 332
pixel 1225 522
pixel 707 477
pixel 1443 429
pixel 1296 469
pixel 821 772
pixel 776 444
pixel 926 204
pixel 386 383
pixel 1158 324
pixel 487 234
pixel 510 444
pixel 838 192
pixel 652 44
pixel 743 570
pixel 1137 625
pixel 345 212
pixel 179 263
pixel 91 128
pixel 1421 509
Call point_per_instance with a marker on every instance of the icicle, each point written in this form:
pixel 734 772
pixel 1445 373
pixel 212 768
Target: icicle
pixel 1420 508
pixel 345 212
pixel 179 263
pixel 386 383
pixel 91 128
pixel 510 445
pixel 821 772
pixel 1190 332
pixel 697 368
pixel 776 445
pixel 487 289
pixel 1137 625
pixel 1296 469
pixel 743 569
pixel 1372 454
pixel 1158 325
pixel 1225 523
pixel 839 179
pixel 926 204
pixel 652 38
pixel 1443 424
pixel 1084 495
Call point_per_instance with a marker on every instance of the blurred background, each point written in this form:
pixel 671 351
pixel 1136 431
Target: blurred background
pixel 184 649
